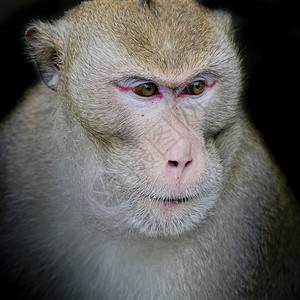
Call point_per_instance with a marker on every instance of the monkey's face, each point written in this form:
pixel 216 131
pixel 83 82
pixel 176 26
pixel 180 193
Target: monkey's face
pixel 157 91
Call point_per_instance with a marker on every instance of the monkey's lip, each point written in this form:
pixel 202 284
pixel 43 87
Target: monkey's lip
pixel 169 201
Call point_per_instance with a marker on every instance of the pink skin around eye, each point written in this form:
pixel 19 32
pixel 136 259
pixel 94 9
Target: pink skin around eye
pixel 126 89
pixel 210 85
pixel 123 88
pixel 158 94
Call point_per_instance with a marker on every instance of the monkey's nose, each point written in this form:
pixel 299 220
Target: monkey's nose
pixel 177 168
pixel 179 163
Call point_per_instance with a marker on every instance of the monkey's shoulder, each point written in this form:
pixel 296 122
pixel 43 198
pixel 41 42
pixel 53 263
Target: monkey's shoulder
pixel 29 115
pixel 256 170
pixel 28 129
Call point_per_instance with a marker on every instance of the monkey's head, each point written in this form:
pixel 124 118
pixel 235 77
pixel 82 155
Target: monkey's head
pixel 156 87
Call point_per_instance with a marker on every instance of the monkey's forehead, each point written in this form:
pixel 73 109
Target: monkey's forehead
pixel 168 34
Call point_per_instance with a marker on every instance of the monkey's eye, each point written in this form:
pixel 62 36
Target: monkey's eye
pixel 194 88
pixel 145 89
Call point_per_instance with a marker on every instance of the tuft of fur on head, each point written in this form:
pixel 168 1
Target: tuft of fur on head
pixel 148 3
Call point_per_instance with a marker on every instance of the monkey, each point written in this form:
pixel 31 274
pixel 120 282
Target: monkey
pixel 132 170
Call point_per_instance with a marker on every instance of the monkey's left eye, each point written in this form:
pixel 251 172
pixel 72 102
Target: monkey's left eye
pixel 194 88
pixel 145 89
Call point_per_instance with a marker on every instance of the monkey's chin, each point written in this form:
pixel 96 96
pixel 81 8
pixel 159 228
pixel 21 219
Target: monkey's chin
pixel 155 216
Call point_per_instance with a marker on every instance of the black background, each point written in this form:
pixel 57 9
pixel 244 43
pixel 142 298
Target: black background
pixel 269 35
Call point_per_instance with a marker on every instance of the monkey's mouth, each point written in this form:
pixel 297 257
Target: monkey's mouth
pixel 170 201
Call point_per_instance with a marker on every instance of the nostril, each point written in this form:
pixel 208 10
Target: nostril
pixel 187 163
pixel 173 163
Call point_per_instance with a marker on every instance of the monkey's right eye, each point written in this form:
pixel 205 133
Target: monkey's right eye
pixel 145 89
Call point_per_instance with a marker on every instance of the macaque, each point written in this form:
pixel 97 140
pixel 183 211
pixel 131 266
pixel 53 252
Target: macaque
pixel 132 171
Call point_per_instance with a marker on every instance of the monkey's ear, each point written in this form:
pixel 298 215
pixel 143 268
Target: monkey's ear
pixel 45 44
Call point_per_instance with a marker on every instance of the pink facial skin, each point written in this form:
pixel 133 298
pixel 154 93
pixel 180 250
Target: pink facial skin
pixel 210 85
pixel 123 88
